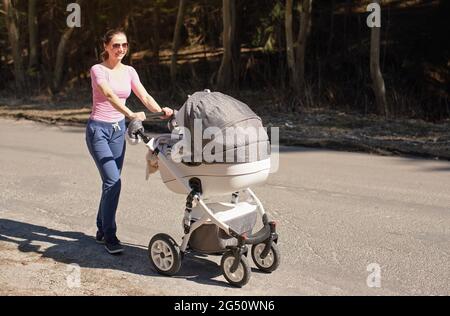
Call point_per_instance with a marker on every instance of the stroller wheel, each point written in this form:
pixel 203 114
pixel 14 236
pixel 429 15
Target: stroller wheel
pixel 164 254
pixel 241 276
pixel 271 262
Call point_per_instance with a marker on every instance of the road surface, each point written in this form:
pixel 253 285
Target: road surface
pixel 349 223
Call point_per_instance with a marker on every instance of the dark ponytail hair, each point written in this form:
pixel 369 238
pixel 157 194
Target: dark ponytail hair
pixel 106 39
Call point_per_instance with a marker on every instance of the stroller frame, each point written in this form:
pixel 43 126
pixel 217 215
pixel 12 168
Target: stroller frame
pixel 234 264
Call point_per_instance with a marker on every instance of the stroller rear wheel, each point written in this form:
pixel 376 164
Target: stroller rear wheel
pixel 241 276
pixel 164 254
pixel 271 262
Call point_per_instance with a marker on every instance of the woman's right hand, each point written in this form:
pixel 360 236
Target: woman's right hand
pixel 138 116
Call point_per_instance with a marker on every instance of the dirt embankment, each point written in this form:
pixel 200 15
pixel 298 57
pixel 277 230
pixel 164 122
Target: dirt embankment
pixel 312 128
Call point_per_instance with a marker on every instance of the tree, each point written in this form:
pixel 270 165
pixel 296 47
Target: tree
pixel 378 86
pixel 14 40
pixel 229 67
pixel 60 57
pixel 156 39
pixel 305 28
pixel 177 40
pixel 296 52
pixel 331 34
pixel 33 61
pixel 290 53
pixel 235 42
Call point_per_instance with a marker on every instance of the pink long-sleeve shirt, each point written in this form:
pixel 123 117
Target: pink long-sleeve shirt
pixel 120 83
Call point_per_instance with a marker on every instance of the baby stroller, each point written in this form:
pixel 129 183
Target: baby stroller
pixel 217 228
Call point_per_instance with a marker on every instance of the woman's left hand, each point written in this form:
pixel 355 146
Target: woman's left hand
pixel 168 113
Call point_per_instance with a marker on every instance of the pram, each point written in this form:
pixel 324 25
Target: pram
pixel 218 228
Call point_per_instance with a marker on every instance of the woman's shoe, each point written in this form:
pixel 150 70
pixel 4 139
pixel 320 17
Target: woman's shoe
pixel 113 247
pixel 100 237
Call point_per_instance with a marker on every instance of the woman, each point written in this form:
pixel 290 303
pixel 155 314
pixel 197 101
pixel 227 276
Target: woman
pixel 112 82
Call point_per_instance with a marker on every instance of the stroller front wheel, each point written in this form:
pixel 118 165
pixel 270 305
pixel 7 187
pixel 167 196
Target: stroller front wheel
pixel 164 254
pixel 271 262
pixel 241 276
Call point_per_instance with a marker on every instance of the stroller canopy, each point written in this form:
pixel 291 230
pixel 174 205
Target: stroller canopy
pixel 230 132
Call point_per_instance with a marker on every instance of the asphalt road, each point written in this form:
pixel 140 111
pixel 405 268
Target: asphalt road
pixel 349 223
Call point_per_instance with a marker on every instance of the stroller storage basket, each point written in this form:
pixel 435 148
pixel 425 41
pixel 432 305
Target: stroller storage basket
pixel 209 238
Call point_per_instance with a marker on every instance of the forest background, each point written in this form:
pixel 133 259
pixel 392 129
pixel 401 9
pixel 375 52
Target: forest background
pixel 312 67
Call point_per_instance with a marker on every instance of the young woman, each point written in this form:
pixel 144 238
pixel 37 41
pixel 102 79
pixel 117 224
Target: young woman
pixel 112 83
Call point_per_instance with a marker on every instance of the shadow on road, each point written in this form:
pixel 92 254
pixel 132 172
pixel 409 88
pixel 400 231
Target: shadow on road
pixel 76 247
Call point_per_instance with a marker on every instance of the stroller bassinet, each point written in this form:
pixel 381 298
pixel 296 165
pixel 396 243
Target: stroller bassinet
pixel 223 144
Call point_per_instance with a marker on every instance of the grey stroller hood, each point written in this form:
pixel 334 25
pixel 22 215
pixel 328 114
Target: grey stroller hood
pixel 230 132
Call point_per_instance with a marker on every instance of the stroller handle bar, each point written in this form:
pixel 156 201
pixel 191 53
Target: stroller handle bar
pixel 154 115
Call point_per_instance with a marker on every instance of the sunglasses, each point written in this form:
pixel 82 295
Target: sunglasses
pixel 117 46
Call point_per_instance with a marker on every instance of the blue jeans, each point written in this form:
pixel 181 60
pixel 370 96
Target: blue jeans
pixel 106 144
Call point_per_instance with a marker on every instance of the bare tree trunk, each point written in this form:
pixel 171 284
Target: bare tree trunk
pixel 305 28
pixel 60 58
pixel 225 71
pixel 176 40
pixel 375 72
pixel 330 38
pixel 235 44
pixel 347 13
pixel 292 67
pixel 156 29
pixel 13 35
pixel 33 62
pixel 121 15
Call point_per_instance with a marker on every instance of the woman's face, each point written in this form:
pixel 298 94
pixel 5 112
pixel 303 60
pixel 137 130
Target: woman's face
pixel 117 47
